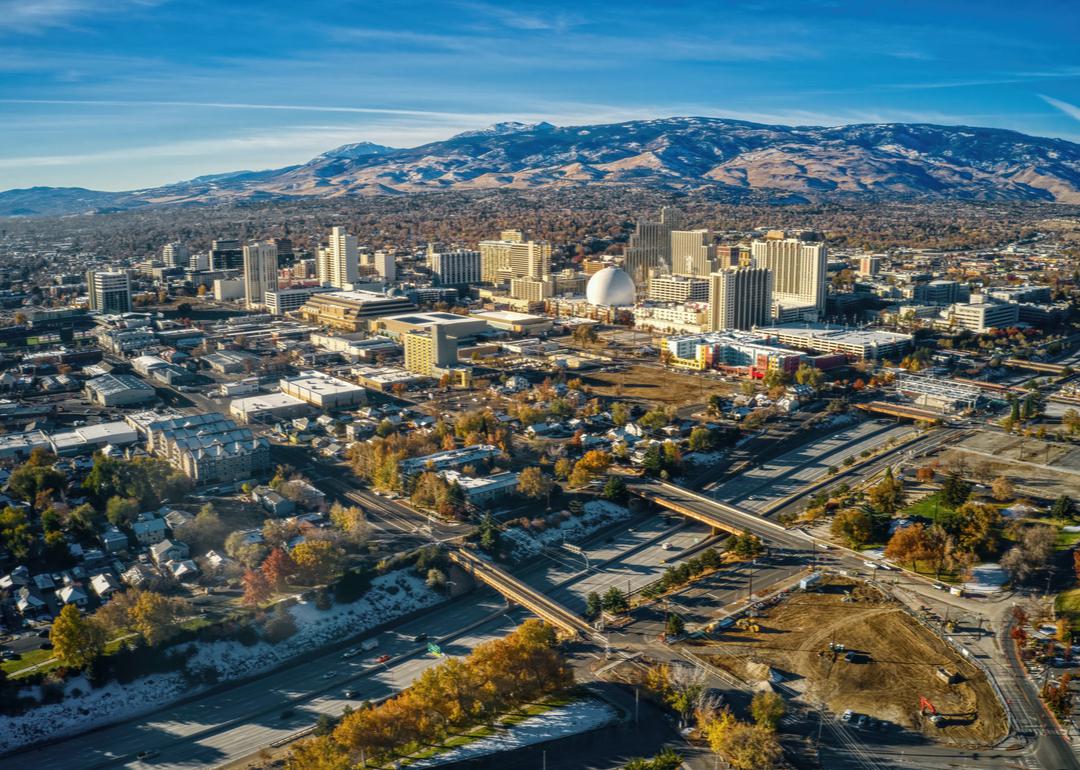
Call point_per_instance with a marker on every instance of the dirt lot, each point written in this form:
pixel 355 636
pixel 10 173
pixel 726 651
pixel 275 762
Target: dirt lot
pixel 652 385
pixel 1047 469
pixel 898 662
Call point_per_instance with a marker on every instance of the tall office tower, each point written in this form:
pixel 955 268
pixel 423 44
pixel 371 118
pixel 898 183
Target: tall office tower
pixel 174 254
pixel 460 267
pixel 226 255
pixel 199 261
pixel 650 246
pixel 798 270
pixel 260 271
pixel 505 259
pixel 385 266
pixel 109 290
pixel 284 250
pixel 869 266
pixel 338 264
pixel 740 298
pixel 692 252
pixel 728 256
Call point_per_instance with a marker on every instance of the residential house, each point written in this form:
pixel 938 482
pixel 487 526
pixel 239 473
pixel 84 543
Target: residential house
pixel 29 602
pixel 112 539
pixel 104 585
pixel 149 529
pixel 72 594
pixel 169 550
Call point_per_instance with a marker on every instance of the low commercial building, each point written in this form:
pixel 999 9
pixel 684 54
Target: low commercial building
pixel 452 325
pixel 323 391
pixel 351 311
pixel 856 344
pixel 984 316
pixel 452 459
pixel 284 301
pixel 743 353
pixel 87 439
pixel 678 288
pixel 515 323
pixel 481 491
pixel 384 377
pixel 118 390
pixel 268 407
pixel 231 361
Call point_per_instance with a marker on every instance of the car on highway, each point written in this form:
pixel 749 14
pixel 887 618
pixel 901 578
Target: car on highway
pixel 420 638
pixel 382 658
pixel 847 715
pixel 861 721
pixel 142 756
pixel 352 694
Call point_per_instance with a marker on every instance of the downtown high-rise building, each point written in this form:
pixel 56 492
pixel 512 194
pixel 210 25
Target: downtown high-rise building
pixel 260 271
pixel 514 256
pixel 338 263
pixel 799 271
pixel 109 291
pixel 459 267
pixel 226 255
pixel 175 254
pixel 650 246
pixel 740 298
pixel 385 265
pixel 692 252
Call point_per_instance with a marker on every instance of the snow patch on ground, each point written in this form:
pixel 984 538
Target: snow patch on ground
pixel 986 578
pixel 559 722
pixel 706 458
pixel 391 595
pixel 598 514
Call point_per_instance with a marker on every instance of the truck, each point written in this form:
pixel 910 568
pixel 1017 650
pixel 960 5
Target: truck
pixel 810 581
pixel 369 644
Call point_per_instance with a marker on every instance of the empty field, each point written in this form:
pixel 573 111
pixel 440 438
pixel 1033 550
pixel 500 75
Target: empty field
pixel 896 663
pixel 652 385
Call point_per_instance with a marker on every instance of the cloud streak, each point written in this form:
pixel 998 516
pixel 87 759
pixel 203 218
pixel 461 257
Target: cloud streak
pixel 35 16
pixel 1069 109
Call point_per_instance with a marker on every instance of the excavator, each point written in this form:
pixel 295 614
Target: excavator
pixel 925 706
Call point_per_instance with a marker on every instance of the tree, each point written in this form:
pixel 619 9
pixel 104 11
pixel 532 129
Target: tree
pixel 808 375
pixel 888 495
pixel 614 601
pixel 535 484
pixel 614 489
pixel 674 625
pixel 34 480
pixel 701 439
pixel 15 532
pixel 278 567
pixel 747 747
pixel 241 547
pixel 1071 420
pixel 908 544
pixel 1002 489
pixel 925 474
pixel 436 579
pixel 747 546
pixel 1032 553
pixel 1063 508
pixel 489 533
pixel 256 587
pixel 594 604
pixel 563 468
pixel 654 420
pixel 318 560
pixel 122 511
pixel 77 641
pixel 620 413
pixel 768 709
pixel 351 521
pixel 205 532
pixel 955 491
pixel 854 526
pixel 154 616
pixel 977 528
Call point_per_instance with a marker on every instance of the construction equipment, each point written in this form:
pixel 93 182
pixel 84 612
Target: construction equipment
pixel 745 624
pixel 926 706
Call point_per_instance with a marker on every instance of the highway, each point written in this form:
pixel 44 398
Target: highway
pixel 786 474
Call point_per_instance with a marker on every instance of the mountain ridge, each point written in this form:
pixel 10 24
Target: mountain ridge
pixel 897 160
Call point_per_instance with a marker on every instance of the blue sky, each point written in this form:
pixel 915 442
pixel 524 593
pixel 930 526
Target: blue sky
pixel 122 94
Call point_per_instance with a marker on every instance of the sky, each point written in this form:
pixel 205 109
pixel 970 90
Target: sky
pixel 127 94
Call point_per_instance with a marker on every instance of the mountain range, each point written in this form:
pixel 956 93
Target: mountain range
pixel 895 160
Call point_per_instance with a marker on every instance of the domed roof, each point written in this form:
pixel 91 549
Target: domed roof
pixel 611 287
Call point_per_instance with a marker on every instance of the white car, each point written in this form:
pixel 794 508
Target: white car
pixel 847 715
pixel 871 564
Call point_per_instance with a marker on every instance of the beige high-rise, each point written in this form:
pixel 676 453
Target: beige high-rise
pixel 740 298
pixel 260 271
pixel 692 253
pixel 338 264
pixel 798 268
pixel 513 257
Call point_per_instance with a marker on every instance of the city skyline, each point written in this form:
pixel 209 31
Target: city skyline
pixel 148 92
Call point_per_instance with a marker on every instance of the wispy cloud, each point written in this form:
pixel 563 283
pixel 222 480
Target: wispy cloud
pixel 30 16
pixel 555 21
pixel 243 106
pixel 1069 109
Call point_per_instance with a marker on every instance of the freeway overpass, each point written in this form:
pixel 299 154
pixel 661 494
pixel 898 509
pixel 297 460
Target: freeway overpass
pixel 717 514
pixel 517 591
pixel 1036 366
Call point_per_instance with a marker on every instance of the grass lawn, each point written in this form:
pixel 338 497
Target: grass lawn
pixel 928 507
pixel 14 668
pixel 1067 605
pixel 480 732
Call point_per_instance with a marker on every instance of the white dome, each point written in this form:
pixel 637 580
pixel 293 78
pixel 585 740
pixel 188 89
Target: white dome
pixel 611 287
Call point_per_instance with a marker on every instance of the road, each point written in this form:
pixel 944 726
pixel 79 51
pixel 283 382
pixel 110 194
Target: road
pixel 229 725
pixel 756 488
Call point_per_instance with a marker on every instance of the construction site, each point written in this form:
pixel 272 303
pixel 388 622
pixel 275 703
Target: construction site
pixel 845 645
